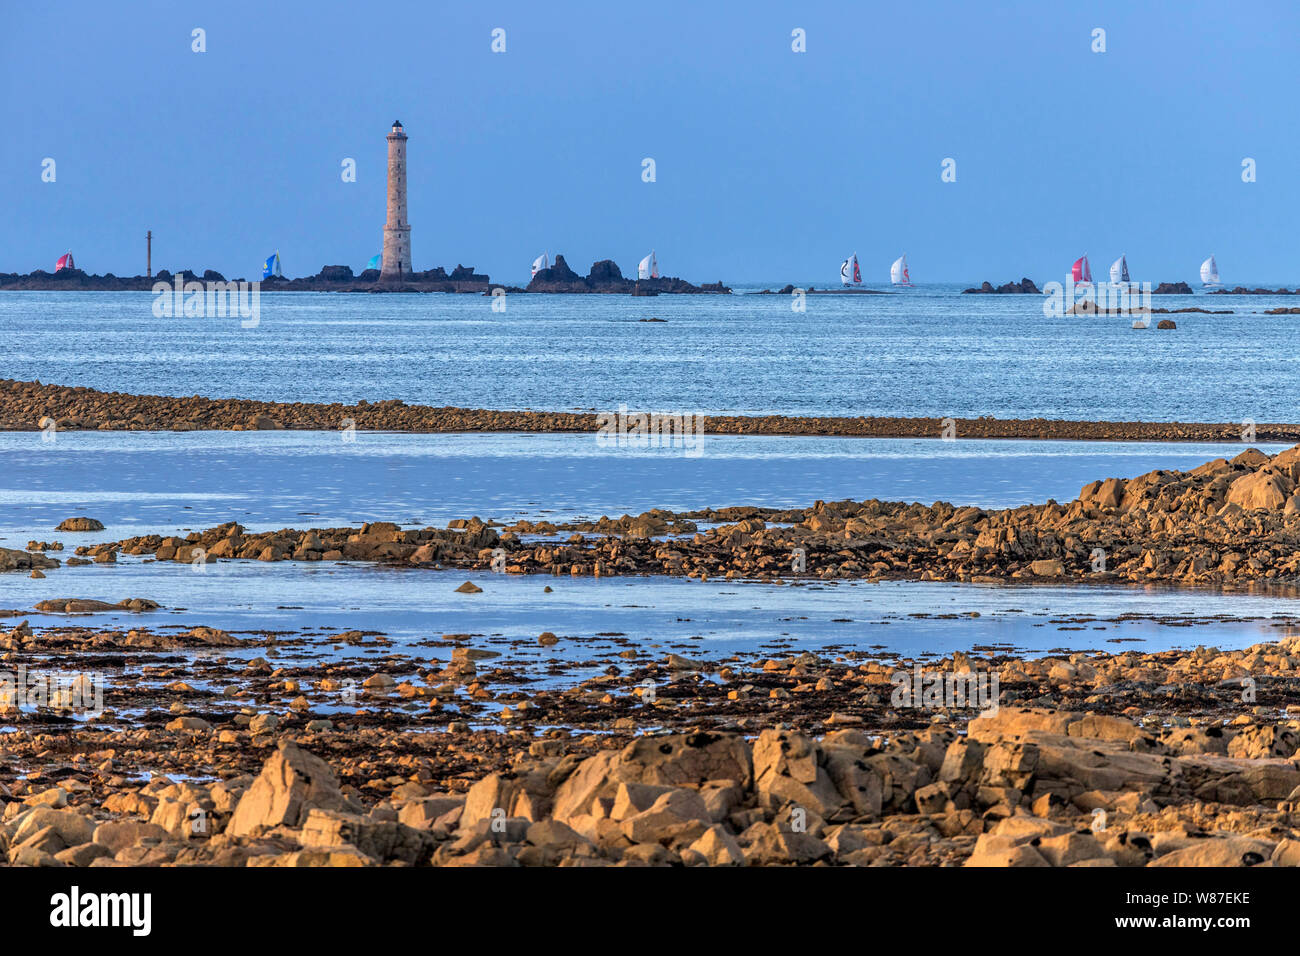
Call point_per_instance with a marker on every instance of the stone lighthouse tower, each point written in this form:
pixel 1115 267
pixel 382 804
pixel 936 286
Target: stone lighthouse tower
pixel 397 231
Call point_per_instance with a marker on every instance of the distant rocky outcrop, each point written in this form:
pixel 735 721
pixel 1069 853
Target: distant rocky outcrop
pixel 1172 288
pixel 606 273
pixel 558 274
pixel 789 289
pixel 336 274
pixel 1242 290
pixel 1023 287
pixel 606 277
pixel 340 279
pixel 1090 307
pixel 329 279
pixel 72 280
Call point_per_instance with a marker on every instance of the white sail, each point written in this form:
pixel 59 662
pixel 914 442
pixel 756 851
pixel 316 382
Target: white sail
pixel 898 271
pixel 648 268
pixel 1209 272
pixel 1119 270
pixel 850 272
pixel 540 263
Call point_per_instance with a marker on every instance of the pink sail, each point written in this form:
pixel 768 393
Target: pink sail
pixel 65 262
pixel 1081 271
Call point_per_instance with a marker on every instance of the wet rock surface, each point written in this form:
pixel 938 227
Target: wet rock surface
pixel 337 748
pixel 12 559
pixel 1092 760
pixel 80 524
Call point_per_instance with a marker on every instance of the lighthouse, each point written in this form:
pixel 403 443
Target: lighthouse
pixel 397 231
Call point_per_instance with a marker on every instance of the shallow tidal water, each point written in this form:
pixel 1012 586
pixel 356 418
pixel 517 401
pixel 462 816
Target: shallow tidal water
pixel 165 482
pixel 707 619
pixel 928 352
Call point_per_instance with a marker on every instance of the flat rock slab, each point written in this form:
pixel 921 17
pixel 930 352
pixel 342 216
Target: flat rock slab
pixel 91 606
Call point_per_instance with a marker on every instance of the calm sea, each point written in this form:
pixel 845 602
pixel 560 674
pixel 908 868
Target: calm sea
pixel 926 352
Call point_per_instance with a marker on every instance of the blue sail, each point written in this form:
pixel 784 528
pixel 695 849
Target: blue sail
pixel 375 262
pixel 272 266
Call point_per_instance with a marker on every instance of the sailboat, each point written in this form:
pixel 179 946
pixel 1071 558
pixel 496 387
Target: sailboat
pixel 376 262
pixel 850 274
pixel 898 273
pixel 1081 271
pixel 648 268
pixel 540 263
pixel 65 262
pixel 272 266
pixel 1119 271
pixel 1210 274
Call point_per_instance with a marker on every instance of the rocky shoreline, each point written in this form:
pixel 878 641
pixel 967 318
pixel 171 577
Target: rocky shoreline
pixel 1097 759
pixel 1224 524
pixel 31 406
pixel 328 748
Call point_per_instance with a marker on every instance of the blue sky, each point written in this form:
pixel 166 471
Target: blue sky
pixel 771 165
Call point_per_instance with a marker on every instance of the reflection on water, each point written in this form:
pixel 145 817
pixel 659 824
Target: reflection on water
pixel 145 482
pixel 712 618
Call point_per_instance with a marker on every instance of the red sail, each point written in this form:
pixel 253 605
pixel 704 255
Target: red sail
pixel 65 262
pixel 1081 271
pixel 857 274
